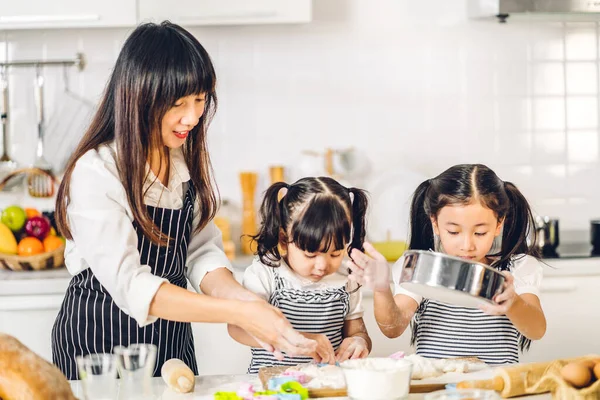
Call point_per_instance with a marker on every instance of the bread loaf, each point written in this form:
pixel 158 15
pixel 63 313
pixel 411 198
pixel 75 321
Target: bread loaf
pixel 26 376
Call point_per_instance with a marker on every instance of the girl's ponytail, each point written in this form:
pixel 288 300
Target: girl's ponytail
pixel 421 229
pixel 267 239
pixel 519 225
pixel 359 211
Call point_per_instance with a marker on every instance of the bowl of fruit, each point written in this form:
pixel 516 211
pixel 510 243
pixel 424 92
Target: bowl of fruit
pixel 29 240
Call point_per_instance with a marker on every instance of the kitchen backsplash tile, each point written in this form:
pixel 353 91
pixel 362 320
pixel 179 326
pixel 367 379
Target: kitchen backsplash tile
pixel 549 113
pixel 408 87
pixel 581 41
pixel 548 78
pixel 582 78
pixel 582 147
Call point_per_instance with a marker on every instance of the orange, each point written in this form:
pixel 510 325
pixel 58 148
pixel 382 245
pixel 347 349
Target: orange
pixel 52 243
pixel 29 246
pixel 32 212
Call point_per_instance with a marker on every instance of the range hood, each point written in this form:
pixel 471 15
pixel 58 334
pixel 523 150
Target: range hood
pixel 552 9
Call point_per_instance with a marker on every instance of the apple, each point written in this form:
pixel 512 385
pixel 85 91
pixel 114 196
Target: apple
pixel 14 217
pixel 38 227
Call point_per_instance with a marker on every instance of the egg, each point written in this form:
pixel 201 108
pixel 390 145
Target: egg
pixel 576 374
pixel 597 370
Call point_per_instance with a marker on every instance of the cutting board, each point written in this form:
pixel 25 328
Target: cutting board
pixel 266 373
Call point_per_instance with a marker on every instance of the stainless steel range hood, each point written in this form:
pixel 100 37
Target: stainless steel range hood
pixel 552 9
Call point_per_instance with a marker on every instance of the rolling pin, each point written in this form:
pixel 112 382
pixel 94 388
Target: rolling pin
pixel 511 381
pixel 178 376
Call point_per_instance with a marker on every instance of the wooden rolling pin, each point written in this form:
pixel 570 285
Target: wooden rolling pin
pixel 511 381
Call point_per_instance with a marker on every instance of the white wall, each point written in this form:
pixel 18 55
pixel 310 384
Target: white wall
pixel 413 84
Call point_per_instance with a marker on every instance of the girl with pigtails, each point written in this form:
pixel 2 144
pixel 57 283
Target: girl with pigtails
pixel 301 244
pixel 467 211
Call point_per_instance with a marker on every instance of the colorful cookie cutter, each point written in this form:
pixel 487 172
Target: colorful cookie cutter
pixel 398 355
pixel 296 389
pixel 321 365
pixel 289 390
pixel 227 396
pixel 276 382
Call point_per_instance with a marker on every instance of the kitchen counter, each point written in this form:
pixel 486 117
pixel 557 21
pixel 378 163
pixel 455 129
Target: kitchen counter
pixel 206 386
pixel 19 283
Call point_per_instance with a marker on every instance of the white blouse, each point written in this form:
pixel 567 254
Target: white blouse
pixel 260 279
pixel 526 270
pixel 105 240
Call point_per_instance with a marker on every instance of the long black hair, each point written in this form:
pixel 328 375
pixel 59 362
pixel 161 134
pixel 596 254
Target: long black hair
pixel 314 214
pixel 158 64
pixel 462 184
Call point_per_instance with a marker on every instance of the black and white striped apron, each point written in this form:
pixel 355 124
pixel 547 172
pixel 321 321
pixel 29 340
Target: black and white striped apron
pixel 446 331
pixel 315 311
pixel 89 322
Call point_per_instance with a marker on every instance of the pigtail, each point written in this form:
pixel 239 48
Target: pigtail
pixel 421 230
pixel 267 238
pixel 359 211
pixel 519 225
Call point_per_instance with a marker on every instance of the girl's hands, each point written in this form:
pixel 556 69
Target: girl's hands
pixel 324 352
pixel 370 270
pixel 352 347
pixel 272 330
pixel 505 300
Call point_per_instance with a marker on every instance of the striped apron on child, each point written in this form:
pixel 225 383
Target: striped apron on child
pixel 442 330
pixel 316 311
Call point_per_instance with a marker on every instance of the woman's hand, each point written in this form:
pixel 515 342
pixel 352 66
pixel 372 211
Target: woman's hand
pixel 352 347
pixel 505 300
pixel 370 270
pixel 324 352
pixel 272 330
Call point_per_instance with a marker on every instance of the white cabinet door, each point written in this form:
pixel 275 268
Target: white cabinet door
pixel 217 353
pixel 30 320
pixel 572 308
pixel 38 14
pixel 226 12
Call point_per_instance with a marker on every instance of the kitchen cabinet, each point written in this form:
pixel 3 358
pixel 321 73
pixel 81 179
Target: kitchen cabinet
pixel 573 318
pixel 226 12
pixel 217 353
pixel 30 319
pixel 39 14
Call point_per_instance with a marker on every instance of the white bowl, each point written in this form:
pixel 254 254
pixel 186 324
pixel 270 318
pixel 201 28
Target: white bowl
pixel 377 378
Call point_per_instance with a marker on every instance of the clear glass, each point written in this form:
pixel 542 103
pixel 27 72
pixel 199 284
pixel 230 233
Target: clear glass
pixel 463 394
pixel 98 374
pixel 136 366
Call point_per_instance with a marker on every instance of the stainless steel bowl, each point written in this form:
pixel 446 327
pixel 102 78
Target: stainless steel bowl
pixel 448 279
